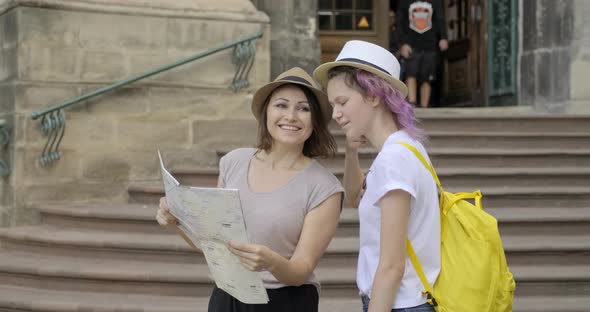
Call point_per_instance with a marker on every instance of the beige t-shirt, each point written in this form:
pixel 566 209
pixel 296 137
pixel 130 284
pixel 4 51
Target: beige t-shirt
pixel 275 219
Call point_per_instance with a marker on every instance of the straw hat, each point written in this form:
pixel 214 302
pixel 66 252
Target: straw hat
pixel 366 56
pixel 296 76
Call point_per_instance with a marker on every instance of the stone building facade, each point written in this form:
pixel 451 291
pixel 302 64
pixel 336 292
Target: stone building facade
pixel 550 53
pixel 555 55
pixel 54 50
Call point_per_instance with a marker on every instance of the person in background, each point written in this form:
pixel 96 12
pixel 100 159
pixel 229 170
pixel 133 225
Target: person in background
pixel 291 203
pixel 394 47
pixel 422 34
pixel 397 201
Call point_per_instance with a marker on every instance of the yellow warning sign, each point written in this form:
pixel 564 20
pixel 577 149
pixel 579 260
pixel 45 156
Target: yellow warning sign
pixel 363 23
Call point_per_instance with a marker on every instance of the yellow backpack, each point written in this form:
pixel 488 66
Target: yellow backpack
pixel 474 274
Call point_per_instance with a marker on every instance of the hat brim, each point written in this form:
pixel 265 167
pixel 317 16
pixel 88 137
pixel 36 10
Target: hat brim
pixel 265 91
pixel 320 74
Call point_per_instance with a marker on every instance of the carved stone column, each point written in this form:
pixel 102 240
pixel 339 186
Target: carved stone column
pixel 294 34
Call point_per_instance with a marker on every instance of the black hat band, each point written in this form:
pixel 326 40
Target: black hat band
pixel 354 60
pixel 296 79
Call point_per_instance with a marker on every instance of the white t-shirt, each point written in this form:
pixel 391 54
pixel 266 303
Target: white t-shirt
pixel 396 167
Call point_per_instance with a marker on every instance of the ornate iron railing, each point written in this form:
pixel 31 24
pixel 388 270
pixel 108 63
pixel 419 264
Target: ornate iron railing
pixel 53 119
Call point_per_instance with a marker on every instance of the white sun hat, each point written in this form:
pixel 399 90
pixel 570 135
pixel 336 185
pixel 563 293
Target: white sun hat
pixel 366 56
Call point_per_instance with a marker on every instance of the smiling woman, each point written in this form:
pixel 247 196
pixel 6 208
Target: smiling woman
pixel 291 203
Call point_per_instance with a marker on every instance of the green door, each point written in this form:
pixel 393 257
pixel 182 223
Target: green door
pixel 502 52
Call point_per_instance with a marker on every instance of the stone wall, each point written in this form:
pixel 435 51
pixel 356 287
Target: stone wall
pixel 66 48
pixel 580 58
pixel 294 34
pixel 8 72
pixel 547 60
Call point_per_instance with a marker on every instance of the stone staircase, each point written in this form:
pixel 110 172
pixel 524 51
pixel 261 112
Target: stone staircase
pixel 534 172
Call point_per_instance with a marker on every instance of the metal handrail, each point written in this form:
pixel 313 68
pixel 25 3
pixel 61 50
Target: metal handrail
pixel 36 115
pixel 53 119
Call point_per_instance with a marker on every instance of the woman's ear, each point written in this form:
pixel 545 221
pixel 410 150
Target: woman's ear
pixel 374 101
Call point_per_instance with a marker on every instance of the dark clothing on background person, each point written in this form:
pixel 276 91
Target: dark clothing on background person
pixel 394 43
pixel 394 47
pixel 422 65
pixel 284 299
pixel 420 24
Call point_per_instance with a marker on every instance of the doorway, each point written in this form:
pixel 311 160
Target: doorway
pixel 464 63
pixel 463 76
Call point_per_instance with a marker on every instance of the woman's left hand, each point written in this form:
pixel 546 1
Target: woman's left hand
pixel 254 257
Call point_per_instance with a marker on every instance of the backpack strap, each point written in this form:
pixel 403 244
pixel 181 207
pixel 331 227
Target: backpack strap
pixel 423 161
pixel 409 248
pixel 416 263
pixel 461 196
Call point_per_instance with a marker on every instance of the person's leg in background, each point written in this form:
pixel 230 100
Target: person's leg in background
pixel 412 66
pixel 425 90
pixel 412 86
pixel 427 74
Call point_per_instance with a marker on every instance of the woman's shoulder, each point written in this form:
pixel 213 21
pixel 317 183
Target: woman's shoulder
pixel 320 174
pixel 392 151
pixel 321 183
pixel 239 154
pixel 394 154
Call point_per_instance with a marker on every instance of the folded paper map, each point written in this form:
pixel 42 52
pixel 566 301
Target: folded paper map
pixel 210 217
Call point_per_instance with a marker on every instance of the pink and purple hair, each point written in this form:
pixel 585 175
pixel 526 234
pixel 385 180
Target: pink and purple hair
pixel 369 84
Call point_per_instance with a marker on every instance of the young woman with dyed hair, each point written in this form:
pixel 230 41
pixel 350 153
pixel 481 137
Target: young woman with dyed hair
pixel 398 199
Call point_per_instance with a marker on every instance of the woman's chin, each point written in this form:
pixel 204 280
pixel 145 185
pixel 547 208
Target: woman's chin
pixel 351 134
pixel 289 141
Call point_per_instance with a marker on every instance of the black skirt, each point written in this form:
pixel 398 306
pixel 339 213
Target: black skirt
pixel 285 299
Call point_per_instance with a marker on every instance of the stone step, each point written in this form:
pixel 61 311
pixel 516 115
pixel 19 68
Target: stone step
pixel 98 275
pixel 450 177
pixel 554 280
pixel 477 157
pixel 479 121
pixel 342 251
pixel 19 299
pixel 494 197
pixel 33 299
pixel 165 279
pixel 546 280
pixel 481 158
pixel 527 197
pixel 504 140
pixel 511 221
pixel 514 177
pixel 132 218
pixel 139 218
pixel 54 241
pixel 551 303
pixel 520 250
pixel 437 121
pixel 503 130
pixel 132 276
